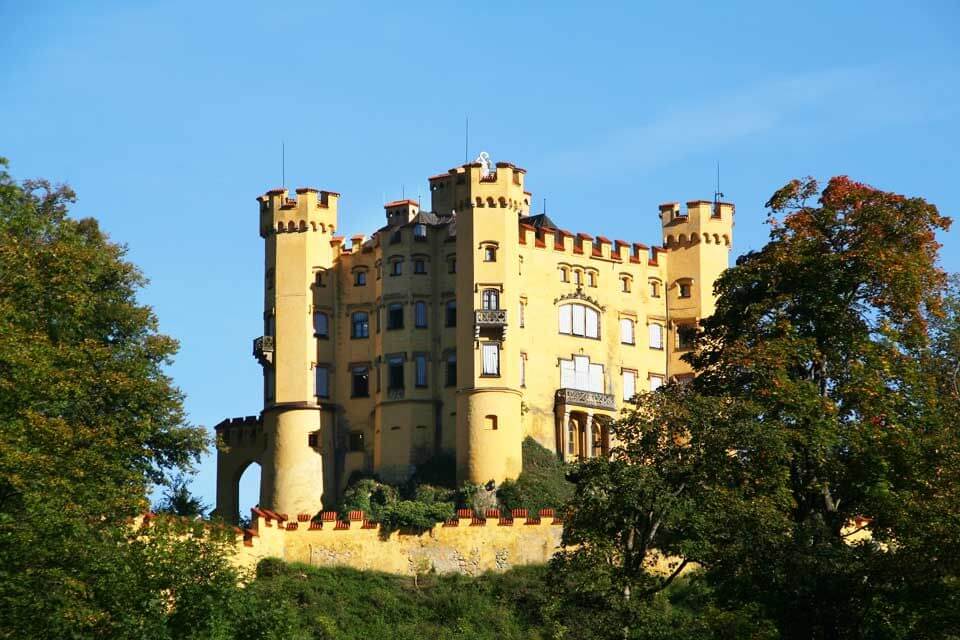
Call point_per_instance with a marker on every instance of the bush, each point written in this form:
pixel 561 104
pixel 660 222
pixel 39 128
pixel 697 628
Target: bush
pixel 410 514
pixel 542 483
pixel 440 470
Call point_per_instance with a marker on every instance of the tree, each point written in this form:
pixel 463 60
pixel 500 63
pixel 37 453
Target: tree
pixel 88 420
pixel 824 407
pixel 177 500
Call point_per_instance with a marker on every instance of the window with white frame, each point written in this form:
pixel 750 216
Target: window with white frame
pixel 580 373
pixel 491 359
pixel 579 320
pixel 656 381
pixel 656 336
pixel 491 299
pixel 629 384
pixel 626 331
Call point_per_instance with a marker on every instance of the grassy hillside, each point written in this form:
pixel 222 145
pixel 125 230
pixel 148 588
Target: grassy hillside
pixel 308 602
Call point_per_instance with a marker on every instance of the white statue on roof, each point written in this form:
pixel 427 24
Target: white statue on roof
pixel 485 163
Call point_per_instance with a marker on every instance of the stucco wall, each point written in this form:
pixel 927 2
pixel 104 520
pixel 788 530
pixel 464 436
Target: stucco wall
pixel 465 544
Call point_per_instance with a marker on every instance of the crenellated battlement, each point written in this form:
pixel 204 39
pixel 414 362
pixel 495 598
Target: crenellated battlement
pixel 311 210
pixel 480 185
pixel 583 244
pixel 701 221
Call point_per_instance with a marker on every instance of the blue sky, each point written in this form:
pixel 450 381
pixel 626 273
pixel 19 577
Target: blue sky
pixel 167 118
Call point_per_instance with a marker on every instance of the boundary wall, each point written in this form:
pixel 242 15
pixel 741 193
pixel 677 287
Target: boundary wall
pixel 466 544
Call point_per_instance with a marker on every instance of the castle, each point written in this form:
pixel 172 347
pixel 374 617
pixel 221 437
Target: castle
pixel 462 329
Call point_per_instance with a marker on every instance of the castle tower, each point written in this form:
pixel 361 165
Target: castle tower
pixel 297 429
pixel 488 202
pixel 698 244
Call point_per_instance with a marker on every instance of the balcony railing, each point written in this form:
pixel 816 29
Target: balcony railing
pixel 490 317
pixel 263 349
pixel 591 399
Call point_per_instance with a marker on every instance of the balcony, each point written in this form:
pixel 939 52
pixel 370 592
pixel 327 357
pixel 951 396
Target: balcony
pixel 589 399
pixel 263 349
pixel 490 317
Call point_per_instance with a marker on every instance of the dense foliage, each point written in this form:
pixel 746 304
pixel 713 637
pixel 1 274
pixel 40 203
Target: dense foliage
pixel 88 421
pixel 542 483
pixel 825 401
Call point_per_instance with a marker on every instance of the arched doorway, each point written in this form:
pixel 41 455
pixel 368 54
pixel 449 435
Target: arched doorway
pixel 248 490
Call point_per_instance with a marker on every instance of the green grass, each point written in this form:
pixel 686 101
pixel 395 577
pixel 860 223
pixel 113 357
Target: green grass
pixel 346 603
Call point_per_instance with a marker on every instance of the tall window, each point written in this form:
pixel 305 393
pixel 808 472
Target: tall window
pixel 580 373
pixel 591 279
pixel 564 274
pixel 321 324
pixel 491 299
pixel 360 279
pixel 360 325
pixel 360 384
pixel 420 314
pixel 451 377
pixel 395 372
pixel 452 265
pixel 626 331
pixel 577 276
pixel 321 381
pixel 356 441
pixel 451 313
pixel 656 336
pixel 395 316
pixel 523 369
pixel 629 385
pixel 625 284
pixel 420 266
pixel 655 382
pixel 421 369
pixel 420 232
pixel 491 359
pixel 523 314
pixel 579 320
pixel 396 267
pixel 654 289
pixel 686 335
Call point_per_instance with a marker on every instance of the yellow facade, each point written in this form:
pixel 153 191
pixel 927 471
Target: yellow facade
pixel 459 330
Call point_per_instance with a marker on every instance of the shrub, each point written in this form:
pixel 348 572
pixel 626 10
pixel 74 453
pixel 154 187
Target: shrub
pixel 542 483
pixel 414 515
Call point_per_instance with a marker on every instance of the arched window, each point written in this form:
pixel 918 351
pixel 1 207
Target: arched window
pixel 656 336
pixel 579 320
pixel 360 325
pixel 360 278
pixel 684 288
pixel 491 299
pixel 321 324
pixel 591 279
pixel 625 284
pixel 564 274
pixel 626 331
pixel 654 289
pixel 577 276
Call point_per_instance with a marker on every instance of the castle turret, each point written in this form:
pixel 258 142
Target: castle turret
pixel 698 251
pixel 488 203
pixel 299 251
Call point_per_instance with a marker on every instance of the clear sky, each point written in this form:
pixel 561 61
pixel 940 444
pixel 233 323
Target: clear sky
pixel 167 118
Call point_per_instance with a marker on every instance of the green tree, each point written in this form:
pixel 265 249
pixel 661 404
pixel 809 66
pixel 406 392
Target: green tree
pixel 824 396
pixel 179 501
pixel 88 421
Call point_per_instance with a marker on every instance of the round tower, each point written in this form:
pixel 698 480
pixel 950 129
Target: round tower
pixel 488 202
pixel 298 234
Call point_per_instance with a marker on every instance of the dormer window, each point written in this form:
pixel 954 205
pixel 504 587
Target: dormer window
pixel 420 232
